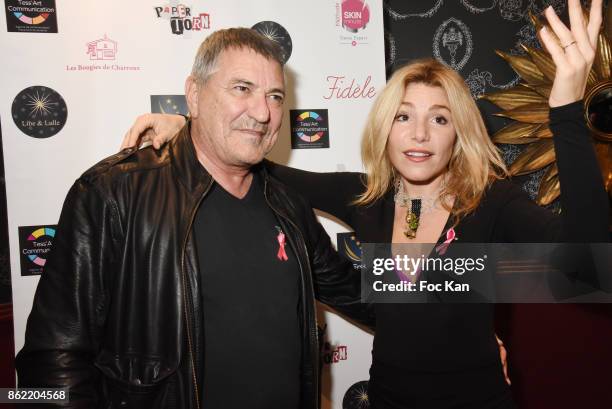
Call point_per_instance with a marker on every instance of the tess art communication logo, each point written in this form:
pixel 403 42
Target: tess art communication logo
pixel 309 129
pixel 31 16
pixel 182 18
pixel 35 243
pixel 39 112
pixel 353 16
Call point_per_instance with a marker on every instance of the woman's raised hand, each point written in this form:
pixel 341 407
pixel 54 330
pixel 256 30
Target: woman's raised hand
pixel 574 52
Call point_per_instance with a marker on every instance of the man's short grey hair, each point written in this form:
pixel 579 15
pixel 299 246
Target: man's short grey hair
pixel 237 38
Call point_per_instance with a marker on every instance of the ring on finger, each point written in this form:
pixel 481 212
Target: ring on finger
pixel 570 44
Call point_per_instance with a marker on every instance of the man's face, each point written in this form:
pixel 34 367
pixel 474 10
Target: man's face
pixel 237 112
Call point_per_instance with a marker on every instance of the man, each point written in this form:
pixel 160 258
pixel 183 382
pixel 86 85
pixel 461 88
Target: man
pixel 184 278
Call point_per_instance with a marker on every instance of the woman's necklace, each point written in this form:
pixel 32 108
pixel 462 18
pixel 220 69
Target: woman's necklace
pixel 416 206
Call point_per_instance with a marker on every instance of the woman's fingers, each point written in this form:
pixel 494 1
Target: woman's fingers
pixel 138 131
pixel 595 19
pixel 570 64
pixel 578 29
pixel 569 44
pixel 553 47
pixel 564 34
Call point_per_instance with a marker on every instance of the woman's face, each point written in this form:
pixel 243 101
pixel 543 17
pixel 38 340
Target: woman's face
pixel 421 141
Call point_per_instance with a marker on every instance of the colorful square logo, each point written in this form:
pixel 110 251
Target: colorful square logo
pixel 35 243
pixel 309 128
pixel 31 16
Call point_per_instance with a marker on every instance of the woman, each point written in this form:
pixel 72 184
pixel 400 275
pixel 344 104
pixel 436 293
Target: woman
pixel 431 169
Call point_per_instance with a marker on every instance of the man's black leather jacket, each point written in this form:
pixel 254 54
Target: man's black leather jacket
pixel 117 317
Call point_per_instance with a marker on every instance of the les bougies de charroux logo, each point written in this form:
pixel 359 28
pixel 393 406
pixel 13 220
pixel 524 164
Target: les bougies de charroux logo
pixel 31 16
pixel 352 17
pixel 183 18
pixel 35 243
pixel 102 49
pixel 39 111
pixel 103 53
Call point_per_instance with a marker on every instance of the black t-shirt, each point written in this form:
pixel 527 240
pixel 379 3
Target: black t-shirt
pixel 250 298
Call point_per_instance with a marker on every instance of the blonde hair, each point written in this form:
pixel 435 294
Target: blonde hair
pixel 475 161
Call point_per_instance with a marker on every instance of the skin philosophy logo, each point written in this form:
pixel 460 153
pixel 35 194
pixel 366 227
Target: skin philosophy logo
pixel 341 87
pixel 352 18
pixel 355 15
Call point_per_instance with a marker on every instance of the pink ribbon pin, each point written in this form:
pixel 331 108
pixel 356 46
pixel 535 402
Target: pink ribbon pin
pixel 450 236
pixel 282 254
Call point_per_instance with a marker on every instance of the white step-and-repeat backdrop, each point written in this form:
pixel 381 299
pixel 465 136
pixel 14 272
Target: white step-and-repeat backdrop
pixel 75 74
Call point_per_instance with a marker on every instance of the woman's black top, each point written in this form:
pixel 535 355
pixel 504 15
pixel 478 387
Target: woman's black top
pixel 443 355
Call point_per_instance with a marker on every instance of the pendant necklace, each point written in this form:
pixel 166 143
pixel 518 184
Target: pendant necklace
pixel 415 207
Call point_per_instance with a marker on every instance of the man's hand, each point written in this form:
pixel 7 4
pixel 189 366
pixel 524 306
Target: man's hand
pixel 503 355
pixel 155 128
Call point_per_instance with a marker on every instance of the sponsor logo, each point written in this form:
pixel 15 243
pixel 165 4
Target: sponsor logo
pixel 332 354
pixel 352 18
pixel 356 397
pixel 349 247
pixel 355 15
pixel 39 112
pixel 35 243
pixel 182 18
pixel 99 51
pixel 278 34
pixel 340 87
pixel 169 104
pixel 102 49
pixel 452 44
pixel 31 16
pixel 309 129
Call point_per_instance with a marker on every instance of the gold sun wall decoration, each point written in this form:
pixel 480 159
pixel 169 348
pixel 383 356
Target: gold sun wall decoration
pixel 527 105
